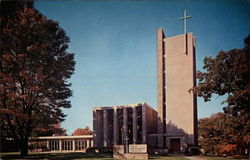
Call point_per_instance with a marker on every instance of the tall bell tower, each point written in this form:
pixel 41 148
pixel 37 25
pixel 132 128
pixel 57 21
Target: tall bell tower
pixel 177 106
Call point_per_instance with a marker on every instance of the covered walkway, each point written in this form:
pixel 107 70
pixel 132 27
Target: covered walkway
pixel 63 143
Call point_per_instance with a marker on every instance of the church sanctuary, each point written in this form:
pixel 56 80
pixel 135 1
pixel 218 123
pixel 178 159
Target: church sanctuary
pixel 132 124
pixel 173 127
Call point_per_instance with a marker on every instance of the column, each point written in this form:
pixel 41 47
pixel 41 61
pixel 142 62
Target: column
pixel 115 138
pixel 74 145
pixel 81 144
pixel 144 125
pixel 105 127
pixel 91 143
pixel 87 143
pixel 161 92
pixel 100 127
pixel 125 124
pixel 47 144
pixel 60 145
pixel 95 127
pixel 134 125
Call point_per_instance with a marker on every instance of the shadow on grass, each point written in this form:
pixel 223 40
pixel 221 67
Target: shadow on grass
pixel 59 156
pixel 167 157
pixel 77 156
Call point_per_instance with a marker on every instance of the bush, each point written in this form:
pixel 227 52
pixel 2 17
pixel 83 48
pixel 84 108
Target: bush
pixel 193 151
pixel 99 150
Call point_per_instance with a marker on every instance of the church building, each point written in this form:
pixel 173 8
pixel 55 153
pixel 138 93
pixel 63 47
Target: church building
pixel 174 125
pixel 129 124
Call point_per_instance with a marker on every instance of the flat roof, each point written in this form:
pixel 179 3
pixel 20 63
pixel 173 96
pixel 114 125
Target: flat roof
pixel 122 106
pixel 63 137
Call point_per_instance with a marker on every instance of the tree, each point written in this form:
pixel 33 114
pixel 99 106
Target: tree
pixel 49 130
pixel 34 69
pixel 224 133
pixel 228 74
pixel 210 133
pixel 82 131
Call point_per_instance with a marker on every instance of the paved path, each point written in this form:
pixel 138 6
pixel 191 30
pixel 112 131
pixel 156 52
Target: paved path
pixel 194 158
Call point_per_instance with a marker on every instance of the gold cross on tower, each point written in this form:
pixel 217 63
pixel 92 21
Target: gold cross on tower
pixel 185 23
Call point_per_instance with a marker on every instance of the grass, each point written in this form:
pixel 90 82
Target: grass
pixel 57 156
pixel 167 157
pixel 89 156
pixel 216 158
pixel 73 156
pixel 213 158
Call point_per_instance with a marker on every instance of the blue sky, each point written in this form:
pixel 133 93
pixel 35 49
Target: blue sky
pixel 115 47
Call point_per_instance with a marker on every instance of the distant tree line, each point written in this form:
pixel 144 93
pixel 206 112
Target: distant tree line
pixel 82 131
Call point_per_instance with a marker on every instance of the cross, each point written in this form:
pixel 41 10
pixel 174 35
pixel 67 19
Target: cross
pixel 185 18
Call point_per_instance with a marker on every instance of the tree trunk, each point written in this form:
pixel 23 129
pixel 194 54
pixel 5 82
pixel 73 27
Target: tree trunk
pixel 249 153
pixel 23 145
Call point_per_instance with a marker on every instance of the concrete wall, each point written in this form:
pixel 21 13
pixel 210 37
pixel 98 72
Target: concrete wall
pixel 161 92
pixel 180 78
pixel 98 127
pixel 151 117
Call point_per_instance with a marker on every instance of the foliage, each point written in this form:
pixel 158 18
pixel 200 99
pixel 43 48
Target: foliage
pixel 224 133
pixel 49 130
pixel 210 133
pixel 228 74
pixel 8 9
pixel 82 131
pixel 34 69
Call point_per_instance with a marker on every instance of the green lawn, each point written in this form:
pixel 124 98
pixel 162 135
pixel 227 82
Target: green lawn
pixel 84 156
pixel 217 158
pixel 58 156
pixel 73 156
pixel 167 157
pixel 213 158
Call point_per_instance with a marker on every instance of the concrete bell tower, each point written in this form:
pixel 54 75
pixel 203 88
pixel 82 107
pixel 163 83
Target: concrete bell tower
pixel 177 107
